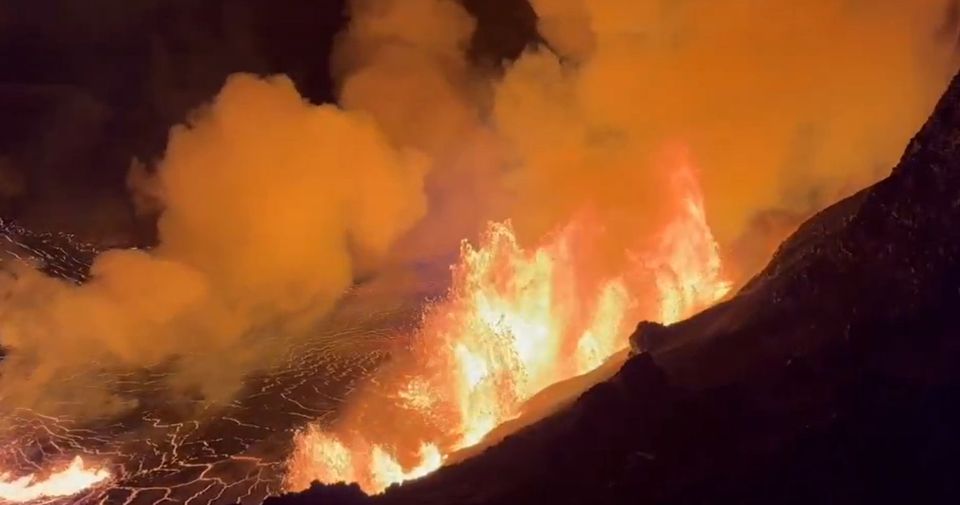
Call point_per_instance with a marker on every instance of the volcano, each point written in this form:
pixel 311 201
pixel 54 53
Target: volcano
pixel 831 377
pixel 277 323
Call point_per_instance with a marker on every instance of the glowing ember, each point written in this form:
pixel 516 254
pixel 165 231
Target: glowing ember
pixel 514 322
pixel 70 481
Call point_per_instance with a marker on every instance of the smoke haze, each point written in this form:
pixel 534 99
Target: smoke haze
pixel 405 62
pixel 267 203
pixel 784 106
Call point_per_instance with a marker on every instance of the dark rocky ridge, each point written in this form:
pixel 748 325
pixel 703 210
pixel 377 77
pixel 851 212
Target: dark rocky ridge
pixel 832 377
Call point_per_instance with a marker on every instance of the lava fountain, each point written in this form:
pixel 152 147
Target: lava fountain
pixel 74 479
pixel 514 322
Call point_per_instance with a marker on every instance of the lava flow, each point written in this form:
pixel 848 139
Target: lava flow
pixel 514 322
pixel 77 477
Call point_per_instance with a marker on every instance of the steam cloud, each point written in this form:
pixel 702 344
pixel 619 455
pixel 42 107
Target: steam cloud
pixel 405 63
pixel 785 106
pixel 271 206
pixel 268 202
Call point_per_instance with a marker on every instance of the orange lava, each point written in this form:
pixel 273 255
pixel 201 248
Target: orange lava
pixel 514 322
pixel 74 479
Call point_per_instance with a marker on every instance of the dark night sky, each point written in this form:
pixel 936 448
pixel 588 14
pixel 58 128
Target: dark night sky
pixel 85 87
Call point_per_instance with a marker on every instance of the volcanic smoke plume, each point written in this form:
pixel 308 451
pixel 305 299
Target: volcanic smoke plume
pixel 787 104
pixel 634 146
pixel 267 204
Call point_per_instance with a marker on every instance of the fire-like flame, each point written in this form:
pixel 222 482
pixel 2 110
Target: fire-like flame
pixel 76 478
pixel 515 321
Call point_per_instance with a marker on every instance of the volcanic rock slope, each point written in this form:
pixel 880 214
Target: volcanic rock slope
pixel 832 377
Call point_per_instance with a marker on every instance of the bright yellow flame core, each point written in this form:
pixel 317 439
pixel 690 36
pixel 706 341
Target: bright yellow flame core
pixel 514 322
pixel 70 481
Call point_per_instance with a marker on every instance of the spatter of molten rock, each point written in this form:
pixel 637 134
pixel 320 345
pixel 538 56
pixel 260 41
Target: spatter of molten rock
pixel 514 322
pixel 68 482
